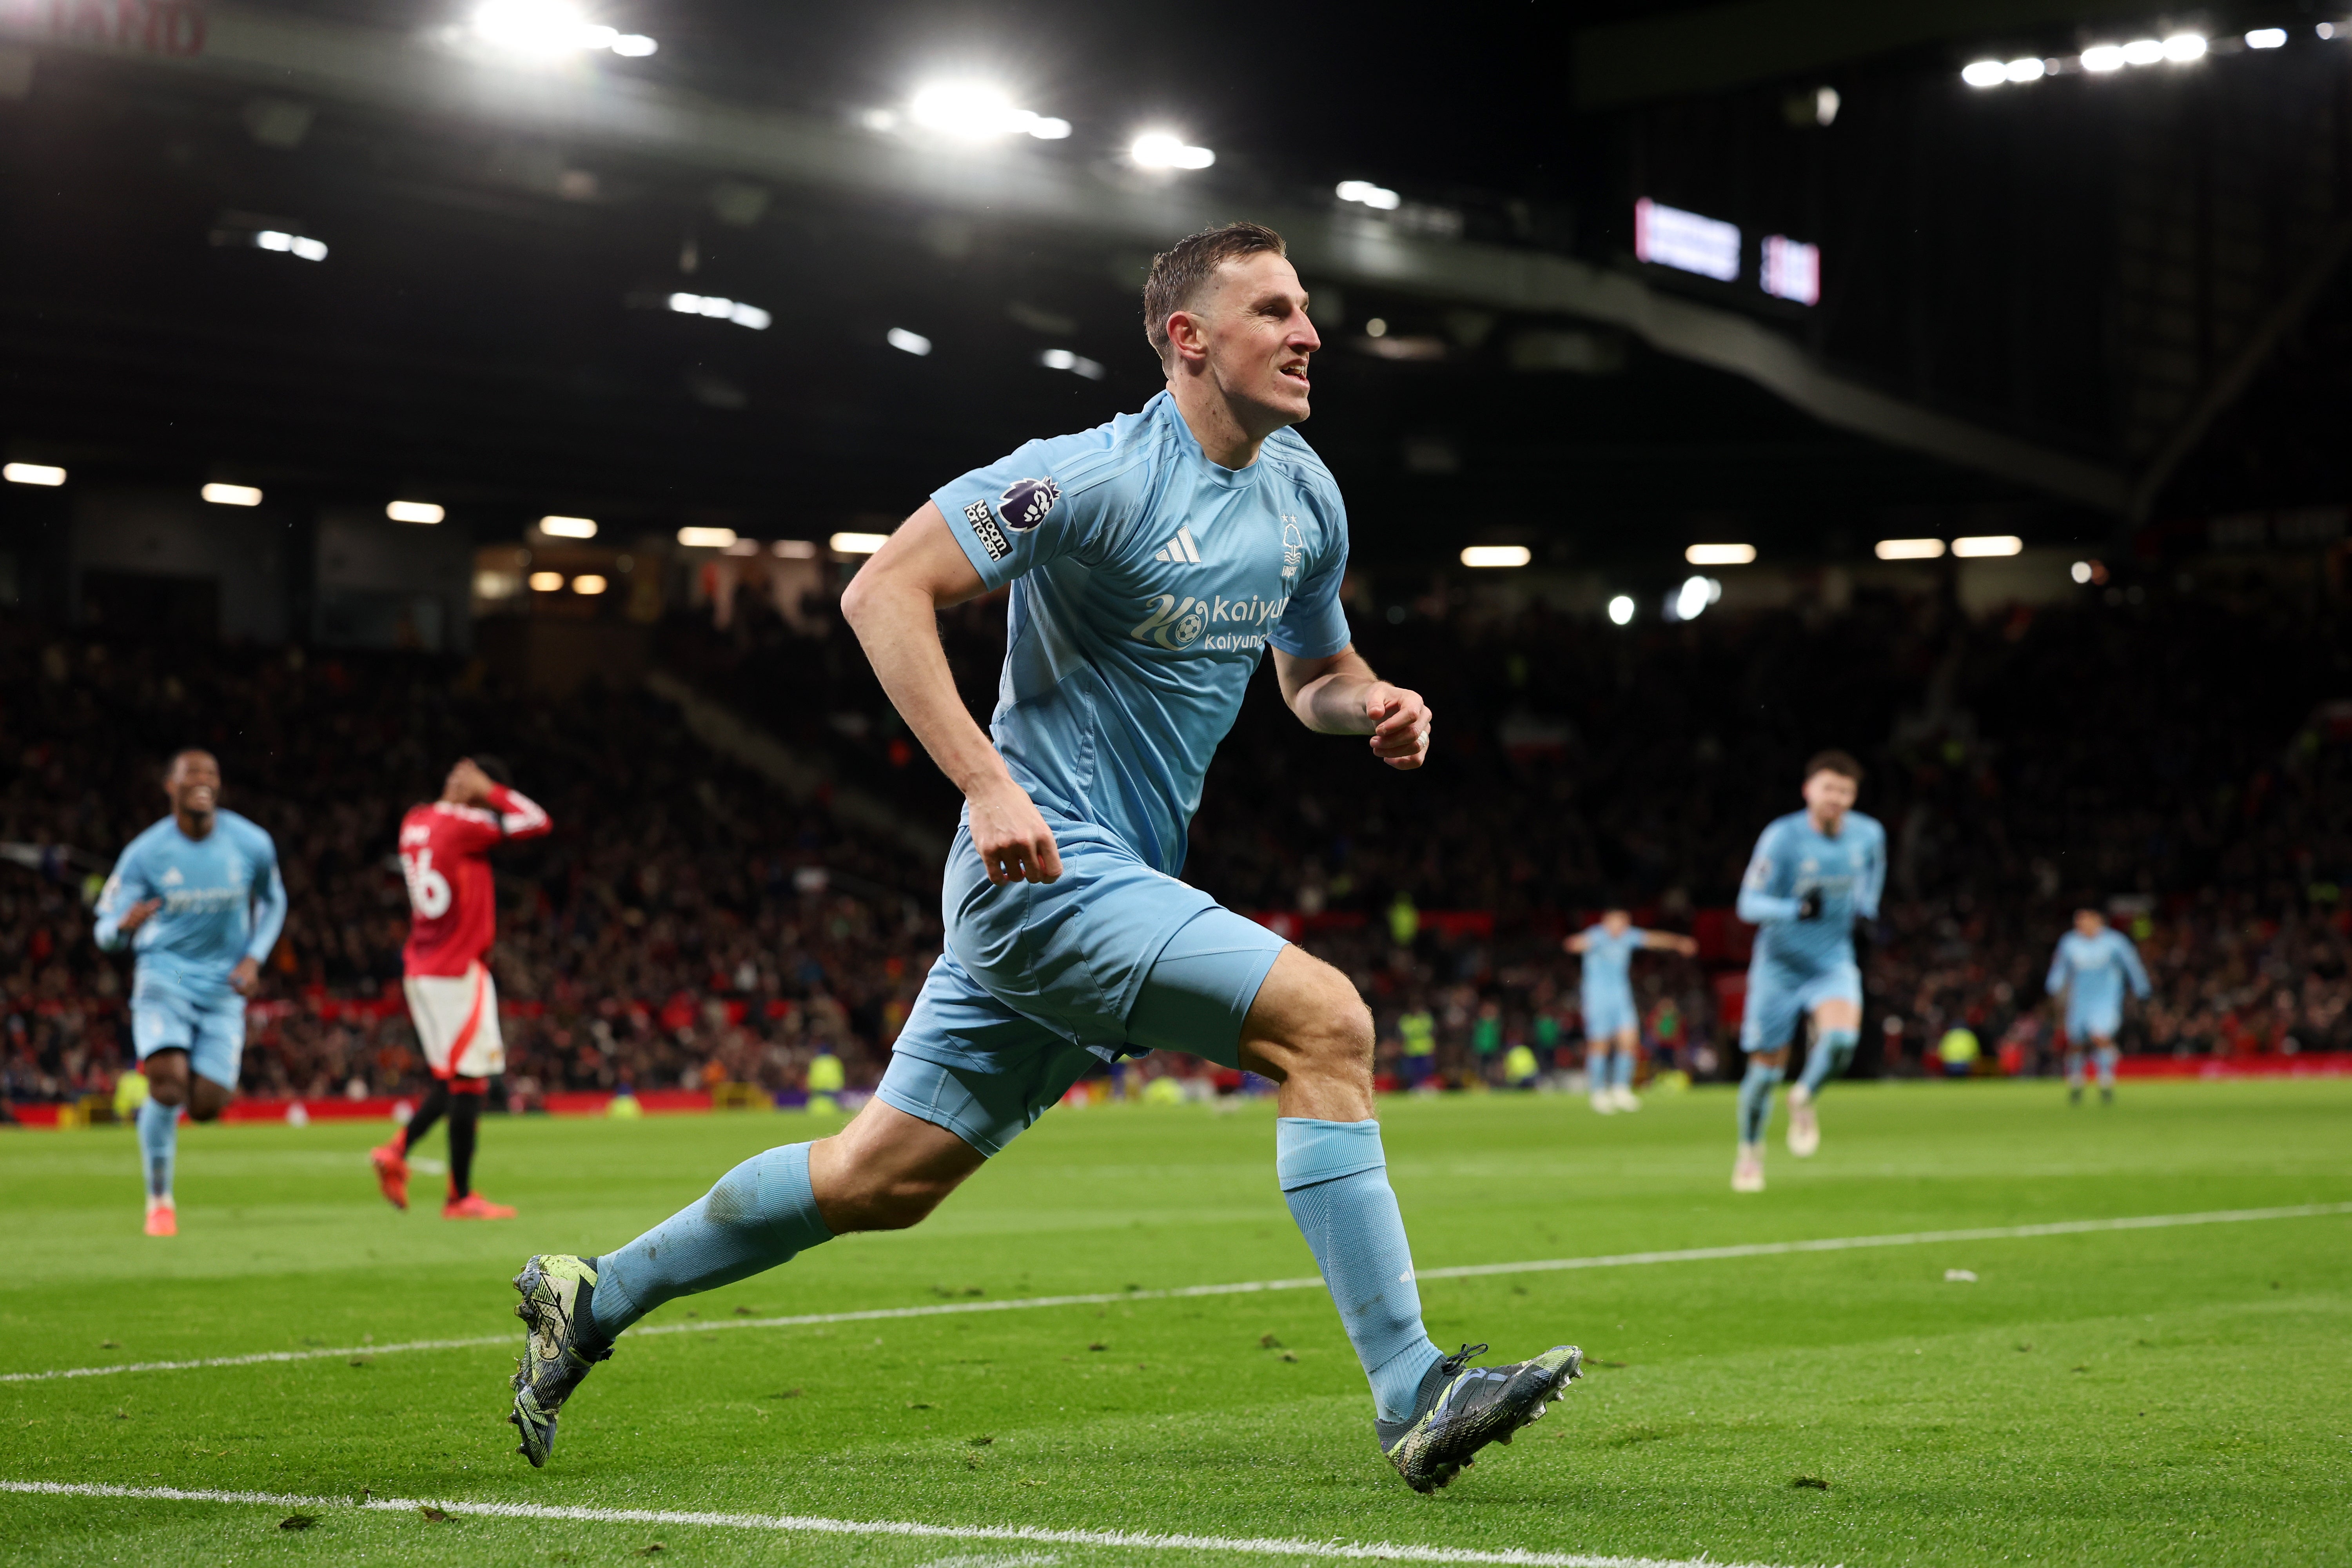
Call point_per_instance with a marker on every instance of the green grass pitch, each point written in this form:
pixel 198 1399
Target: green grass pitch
pixel 2153 1397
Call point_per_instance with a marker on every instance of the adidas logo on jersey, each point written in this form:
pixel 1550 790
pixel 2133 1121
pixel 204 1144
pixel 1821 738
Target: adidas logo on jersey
pixel 1181 549
pixel 171 877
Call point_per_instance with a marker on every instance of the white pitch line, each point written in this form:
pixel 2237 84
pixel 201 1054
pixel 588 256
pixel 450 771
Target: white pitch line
pixel 1257 1546
pixel 1251 1287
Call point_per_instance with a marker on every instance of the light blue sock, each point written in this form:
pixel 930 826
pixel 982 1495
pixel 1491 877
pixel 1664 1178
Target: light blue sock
pixel 1830 1055
pixel 1624 1070
pixel 1596 1069
pixel 1335 1178
pixel 2105 1056
pixel 761 1214
pixel 159 1145
pixel 2073 1068
pixel 1756 1100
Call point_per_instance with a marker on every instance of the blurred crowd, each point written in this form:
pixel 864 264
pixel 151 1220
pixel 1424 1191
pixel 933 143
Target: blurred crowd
pixel 684 923
pixel 2179 762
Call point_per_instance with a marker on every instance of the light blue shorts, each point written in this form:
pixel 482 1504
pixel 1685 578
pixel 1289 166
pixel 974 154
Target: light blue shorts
pixel 1041 981
pixel 2083 1023
pixel 1778 997
pixel 211 1030
pixel 1605 1015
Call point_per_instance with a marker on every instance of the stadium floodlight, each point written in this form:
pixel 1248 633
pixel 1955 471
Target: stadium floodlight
pixel 1077 364
pixel 972 111
pixel 567 527
pixel 1620 609
pixel 414 512
pixel 1984 73
pixel 2102 58
pixel 33 474
pixel 2182 48
pixel 1694 595
pixel 1720 555
pixel 544 29
pixel 1908 549
pixel 722 309
pixel 547 581
pixel 910 342
pixel 1166 150
pixel 857 543
pixel 2143 52
pixel 1371 194
pixel 2266 38
pixel 706 538
pixel 2081 572
pixel 232 495
pixel 2032 69
pixel 1686 242
pixel 297 245
pixel 1987 544
pixel 794 549
pixel 589 582
pixel 1792 269
pixel 1496 555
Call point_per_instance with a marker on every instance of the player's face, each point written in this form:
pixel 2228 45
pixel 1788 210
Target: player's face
pixel 1616 922
pixel 2090 923
pixel 1829 796
pixel 1258 337
pixel 193 783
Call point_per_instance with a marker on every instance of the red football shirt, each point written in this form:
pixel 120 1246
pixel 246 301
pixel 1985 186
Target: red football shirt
pixel 445 855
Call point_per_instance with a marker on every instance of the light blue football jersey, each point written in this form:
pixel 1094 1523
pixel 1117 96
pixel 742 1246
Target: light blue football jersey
pixel 1147 582
pixel 1609 961
pixel 1794 857
pixel 2095 969
pixel 223 902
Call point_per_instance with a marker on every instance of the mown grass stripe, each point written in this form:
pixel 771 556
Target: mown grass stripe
pixel 1146 1540
pixel 1101 1297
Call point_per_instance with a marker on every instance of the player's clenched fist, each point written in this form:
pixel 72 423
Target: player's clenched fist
pixel 1014 842
pixel 1401 724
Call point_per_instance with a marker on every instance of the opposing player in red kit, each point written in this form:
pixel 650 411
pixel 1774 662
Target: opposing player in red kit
pixel 445 855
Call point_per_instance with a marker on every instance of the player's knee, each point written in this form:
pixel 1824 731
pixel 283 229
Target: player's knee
pixel 1333 1033
pixel 167 1082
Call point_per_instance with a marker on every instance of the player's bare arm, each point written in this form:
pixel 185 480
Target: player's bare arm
pixel 893 605
pixel 1670 942
pixel 1339 695
pixel 136 915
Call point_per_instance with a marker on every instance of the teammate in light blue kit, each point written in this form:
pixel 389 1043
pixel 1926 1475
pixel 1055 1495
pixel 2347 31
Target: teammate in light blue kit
pixel 1151 563
pixel 1814 873
pixel 1611 1019
pixel 198 897
pixel 2091 966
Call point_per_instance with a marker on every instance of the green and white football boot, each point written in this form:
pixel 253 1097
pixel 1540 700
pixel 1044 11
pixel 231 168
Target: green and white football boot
pixel 1461 1408
pixel 558 1312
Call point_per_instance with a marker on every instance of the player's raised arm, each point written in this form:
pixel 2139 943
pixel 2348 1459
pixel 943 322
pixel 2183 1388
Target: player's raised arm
pixel 519 817
pixel 893 605
pixel 1669 941
pixel 1339 695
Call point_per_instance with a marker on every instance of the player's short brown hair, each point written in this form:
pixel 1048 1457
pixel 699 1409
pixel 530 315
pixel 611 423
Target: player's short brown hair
pixel 1834 762
pixel 1179 272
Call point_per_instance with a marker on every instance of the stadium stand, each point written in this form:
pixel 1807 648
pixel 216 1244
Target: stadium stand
pixel 688 925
